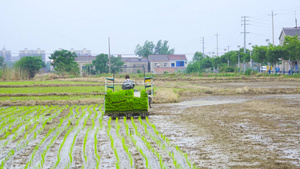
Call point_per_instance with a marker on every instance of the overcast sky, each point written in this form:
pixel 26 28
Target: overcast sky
pixel 53 24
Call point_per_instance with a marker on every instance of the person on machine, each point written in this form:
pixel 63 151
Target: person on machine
pixel 127 84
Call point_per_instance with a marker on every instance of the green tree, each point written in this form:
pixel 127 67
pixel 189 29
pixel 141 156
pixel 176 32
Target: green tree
pixel 116 61
pixel 1 60
pixel 163 48
pixel 64 61
pixel 260 54
pixel 292 45
pixel 275 53
pixel 101 63
pixel 199 63
pixel 149 48
pixel 198 56
pixel 31 64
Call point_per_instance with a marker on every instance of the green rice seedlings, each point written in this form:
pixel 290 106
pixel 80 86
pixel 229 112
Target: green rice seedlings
pixel 168 142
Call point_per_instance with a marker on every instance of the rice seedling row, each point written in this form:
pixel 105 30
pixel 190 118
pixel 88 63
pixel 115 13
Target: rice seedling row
pixel 72 137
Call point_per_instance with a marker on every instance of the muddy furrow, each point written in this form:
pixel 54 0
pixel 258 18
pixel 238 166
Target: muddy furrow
pixel 77 151
pixel 107 157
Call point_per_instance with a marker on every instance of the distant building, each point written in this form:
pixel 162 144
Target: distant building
pixel 159 64
pixel 288 32
pixel 134 62
pixel 83 60
pixel 38 52
pixel 82 52
pixel 6 55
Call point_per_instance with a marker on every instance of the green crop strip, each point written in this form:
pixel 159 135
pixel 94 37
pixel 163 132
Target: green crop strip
pixel 59 89
pixel 50 98
pixel 17 83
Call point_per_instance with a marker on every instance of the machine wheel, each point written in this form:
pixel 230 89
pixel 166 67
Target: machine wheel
pixel 143 115
pixel 128 115
pixel 113 116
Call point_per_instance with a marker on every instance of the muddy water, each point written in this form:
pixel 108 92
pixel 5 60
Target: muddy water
pixel 234 131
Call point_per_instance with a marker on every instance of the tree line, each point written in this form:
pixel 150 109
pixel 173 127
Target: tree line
pixel 64 62
pixel 290 50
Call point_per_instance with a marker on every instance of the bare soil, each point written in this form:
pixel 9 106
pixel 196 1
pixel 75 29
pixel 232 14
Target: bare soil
pixel 235 131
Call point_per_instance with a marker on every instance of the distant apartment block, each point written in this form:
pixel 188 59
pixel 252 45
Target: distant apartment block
pixel 83 52
pixel 38 52
pixel 6 55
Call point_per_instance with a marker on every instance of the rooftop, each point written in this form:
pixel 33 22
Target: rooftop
pixel 166 57
pixel 85 58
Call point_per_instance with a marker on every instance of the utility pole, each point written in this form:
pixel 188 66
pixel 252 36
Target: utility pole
pixel 244 19
pixel 108 55
pixel 296 20
pixel 228 58
pixel 272 14
pixel 217 35
pixel 202 41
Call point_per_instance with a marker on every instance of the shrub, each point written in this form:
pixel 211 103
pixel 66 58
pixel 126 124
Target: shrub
pixel 248 71
pixel 227 69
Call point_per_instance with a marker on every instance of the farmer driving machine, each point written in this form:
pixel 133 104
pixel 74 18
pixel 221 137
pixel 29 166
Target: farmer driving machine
pixel 128 102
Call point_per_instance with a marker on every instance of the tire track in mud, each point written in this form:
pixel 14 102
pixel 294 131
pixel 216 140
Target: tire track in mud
pixel 20 159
